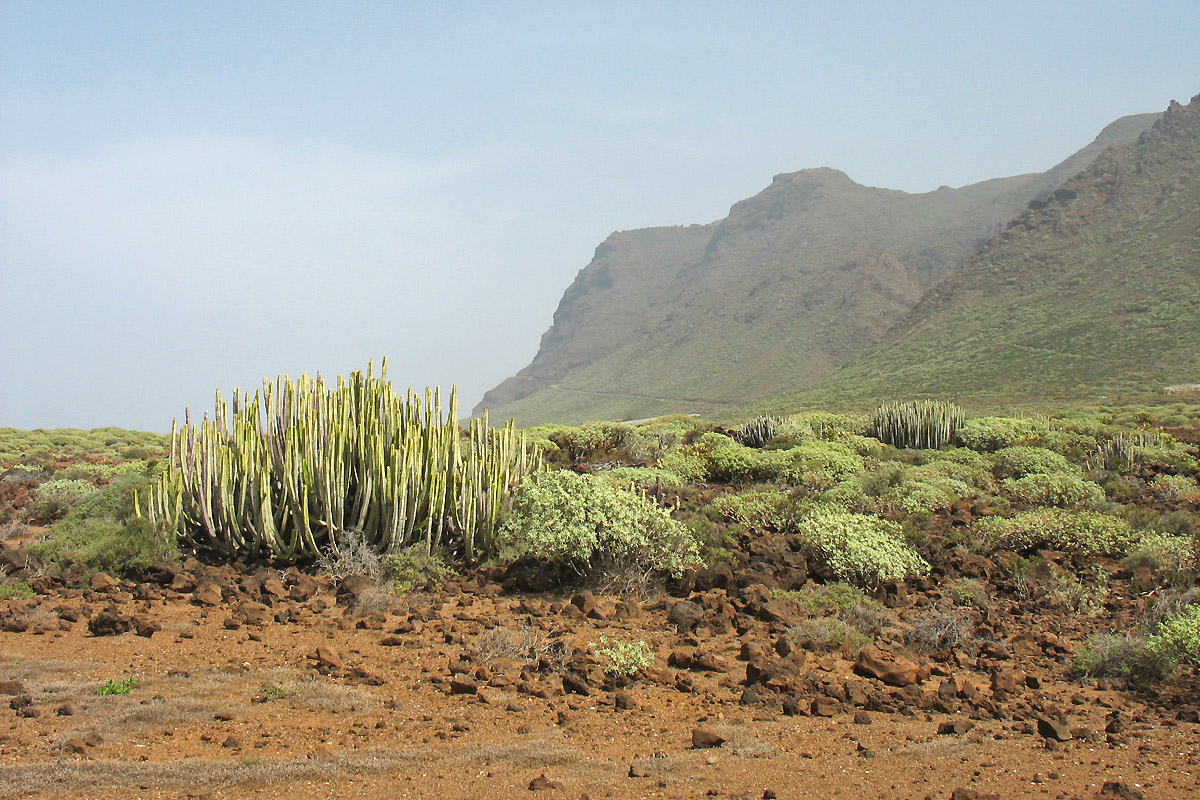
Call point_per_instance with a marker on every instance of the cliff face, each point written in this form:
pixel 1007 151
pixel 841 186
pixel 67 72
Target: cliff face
pixel 793 283
pixel 1094 287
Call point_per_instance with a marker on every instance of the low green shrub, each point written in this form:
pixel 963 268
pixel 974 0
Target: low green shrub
pixel 828 633
pixel 988 434
pixel 13 589
pixel 860 549
pixel 1021 460
pixel 1060 489
pixel 414 568
pixel 123 686
pixel 107 545
pixel 758 510
pixel 624 659
pixel 581 521
pixel 1177 640
pixel 55 498
pixel 1117 655
pixel 822 464
pixel 690 464
pixel 838 598
pixel 1176 488
pixel 1083 531
pixel 1172 558
pixel 641 478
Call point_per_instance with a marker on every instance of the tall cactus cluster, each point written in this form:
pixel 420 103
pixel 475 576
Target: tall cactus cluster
pixel 920 424
pixel 299 465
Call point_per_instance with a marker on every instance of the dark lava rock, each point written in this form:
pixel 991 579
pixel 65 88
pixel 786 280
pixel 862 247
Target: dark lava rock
pixel 958 726
pixel 1054 728
pixel 110 623
pixel 1121 791
pixel 825 707
pixel 541 783
pixel 702 738
pixel 685 615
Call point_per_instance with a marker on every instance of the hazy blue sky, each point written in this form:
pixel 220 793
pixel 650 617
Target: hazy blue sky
pixel 197 195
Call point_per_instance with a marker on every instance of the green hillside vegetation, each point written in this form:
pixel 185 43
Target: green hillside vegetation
pixel 795 282
pixel 1094 289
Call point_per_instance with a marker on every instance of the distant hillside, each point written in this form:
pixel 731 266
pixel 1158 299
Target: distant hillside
pixel 1094 288
pixel 794 283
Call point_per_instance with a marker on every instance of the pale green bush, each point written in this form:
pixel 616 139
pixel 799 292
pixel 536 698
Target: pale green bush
pixel 1172 557
pixel 1084 531
pixel 1021 460
pixel 647 478
pixel 822 464
pixel 1177 640
pixel 54 499
pixel 993 433
pixel 762 510
pixel 1176 488
pixel 108 545
pixel 624 659
pixel 860 548
pixel 583 522
pixel 688 463
pixel 1062 490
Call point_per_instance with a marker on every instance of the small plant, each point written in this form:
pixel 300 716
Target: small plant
pixel 1177 640
pixel 939 631
pixel 414 568
pixel 757 432
pixel 625 659
pixel 828 633
pixel 839 598
pixel 123 686
pixel 1080 596
pixel 271 691
pixel 1061 490
pixel 107 545
pixel 11 589
pixel 1116 655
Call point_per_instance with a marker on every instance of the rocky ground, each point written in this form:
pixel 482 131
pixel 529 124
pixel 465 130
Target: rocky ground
pixel 256 682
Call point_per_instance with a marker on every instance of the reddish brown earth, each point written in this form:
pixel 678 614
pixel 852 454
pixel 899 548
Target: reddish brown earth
pixel 266 683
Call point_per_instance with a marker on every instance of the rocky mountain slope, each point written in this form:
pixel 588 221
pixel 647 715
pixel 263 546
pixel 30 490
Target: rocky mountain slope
pixel 1094 288
pixel 794 283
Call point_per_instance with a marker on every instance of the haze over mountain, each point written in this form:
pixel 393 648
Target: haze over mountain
pixel 793 284
pixel 1094 288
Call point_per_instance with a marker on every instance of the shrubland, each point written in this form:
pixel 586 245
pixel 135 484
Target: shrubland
pixel 870 502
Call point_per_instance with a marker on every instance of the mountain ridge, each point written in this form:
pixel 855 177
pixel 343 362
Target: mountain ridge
pixel 789 286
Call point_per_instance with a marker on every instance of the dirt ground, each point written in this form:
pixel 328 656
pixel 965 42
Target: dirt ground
pixel 276 684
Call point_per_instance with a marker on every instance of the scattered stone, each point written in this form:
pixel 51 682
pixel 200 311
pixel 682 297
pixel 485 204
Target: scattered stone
pixel 955 727
pixel 103 582
pixel 12 688
pixel 624 701
pixel 541 783
pixel 685 615
pixel 1121 791
pixel 463 684
pixel 963 793
pixel 65 710
pixel 1054 728
pixel 109 623
pixel 702 739
pixel 825 707
pixel 864 718
pixel 231 742
pixel 75 745
pixel 146 628
pixel 207 595
pixel 326 656
pixel 890 668
pixel 93 739
pixel 638 772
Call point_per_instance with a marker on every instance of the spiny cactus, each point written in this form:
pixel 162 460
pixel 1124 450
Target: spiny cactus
pixel 919 424
pixel 299 465
pixel 756 432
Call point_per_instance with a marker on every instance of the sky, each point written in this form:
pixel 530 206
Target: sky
pixel 195 196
